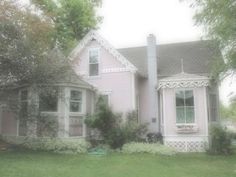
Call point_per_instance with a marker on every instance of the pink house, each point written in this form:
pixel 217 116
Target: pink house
pixel 168 85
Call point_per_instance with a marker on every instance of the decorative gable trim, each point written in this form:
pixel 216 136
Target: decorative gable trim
pixel 184 80
pixel 92 35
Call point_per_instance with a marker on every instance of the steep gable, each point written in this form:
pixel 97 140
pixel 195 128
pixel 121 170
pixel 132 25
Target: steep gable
pixel 93 36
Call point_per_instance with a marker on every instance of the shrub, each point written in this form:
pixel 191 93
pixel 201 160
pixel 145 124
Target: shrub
pixel 155 138
pixel 220 140
pixel 154 148
pixel 109 124
pixel 58 145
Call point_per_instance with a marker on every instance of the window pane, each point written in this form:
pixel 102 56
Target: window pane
pixel 75 106
pixel 180 115
pixel 93 69
pixel 24 109
pixel 23 126
pixel 48 101
pixel 75 95
pixel 179 98
pixel 76 126
pixel 24 95
pixel 189 101
pixel 189 115
pixel 104 99
pixel 93 56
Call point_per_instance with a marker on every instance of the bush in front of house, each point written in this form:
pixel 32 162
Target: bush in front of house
pixel 220 140
pixel 155 138
pixel 58 145
pixel 114 132
pixel 150 148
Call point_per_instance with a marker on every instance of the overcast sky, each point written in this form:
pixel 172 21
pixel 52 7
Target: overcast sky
pixel 128 22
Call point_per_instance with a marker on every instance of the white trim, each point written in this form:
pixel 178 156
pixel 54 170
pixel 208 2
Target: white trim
pixel 114 70
pixel 206 110
pixel 164 110
pixel 108 93
pixel 80 114
pixel 184 80
pixel 133 91
pixel 93 35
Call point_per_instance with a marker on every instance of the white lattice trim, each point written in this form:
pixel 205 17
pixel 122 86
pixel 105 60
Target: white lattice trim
pixel 187 144
pixel 183 84
pixel 184 80
pixel 92 35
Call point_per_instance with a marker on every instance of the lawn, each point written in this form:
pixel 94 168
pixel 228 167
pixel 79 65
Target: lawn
pixel 39 164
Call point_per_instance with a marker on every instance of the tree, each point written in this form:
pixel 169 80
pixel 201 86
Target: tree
pixel 26 41
pixel 219 20
pixel 72 18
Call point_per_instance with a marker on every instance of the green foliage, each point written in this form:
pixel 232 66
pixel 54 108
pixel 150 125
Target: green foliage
pixel 220 140
pixel 58 145
pixel 72 18
pixel 26 55
pixel 103 119
pixel 153 148
pixel 228 112
pixel 47 126
pixel 155 138
pixel 114 132
pixel 218 18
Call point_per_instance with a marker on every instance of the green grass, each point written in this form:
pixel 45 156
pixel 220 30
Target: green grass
pixel 39 164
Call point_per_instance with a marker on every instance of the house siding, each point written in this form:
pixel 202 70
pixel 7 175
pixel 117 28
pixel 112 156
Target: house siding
pixel 113 78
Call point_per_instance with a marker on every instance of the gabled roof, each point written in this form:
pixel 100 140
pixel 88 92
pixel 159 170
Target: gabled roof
pixel 92 35
pixel 197 57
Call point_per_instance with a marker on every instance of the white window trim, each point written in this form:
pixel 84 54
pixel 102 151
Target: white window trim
pixel 82 113
pixel 83 102
pixel 108 93
pixel 194 102
pixel 99 62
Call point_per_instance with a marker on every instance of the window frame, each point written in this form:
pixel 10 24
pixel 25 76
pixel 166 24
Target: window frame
pixel 194 107
pixel 50 112
pixel 77 101
pixel 98 61
pixel 20 105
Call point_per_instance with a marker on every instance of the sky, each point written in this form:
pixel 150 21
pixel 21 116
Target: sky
pixel 128 22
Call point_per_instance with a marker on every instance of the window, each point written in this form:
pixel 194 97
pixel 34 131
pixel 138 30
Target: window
pixel 184 107
pixel 23 113
pixel 48 100
pixel 105 99
pixel 76 126
pixel 93 62
pixel 75 101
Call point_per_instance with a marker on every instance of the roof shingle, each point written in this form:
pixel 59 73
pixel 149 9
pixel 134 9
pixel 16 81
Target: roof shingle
pixel 197 57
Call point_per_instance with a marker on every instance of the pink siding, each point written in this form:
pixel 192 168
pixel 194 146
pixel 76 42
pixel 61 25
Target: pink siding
pixel 9 123
pixel 169 112
pixel 118 84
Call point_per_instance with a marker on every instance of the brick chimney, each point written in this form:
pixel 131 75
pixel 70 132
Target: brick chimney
pixel 152 84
